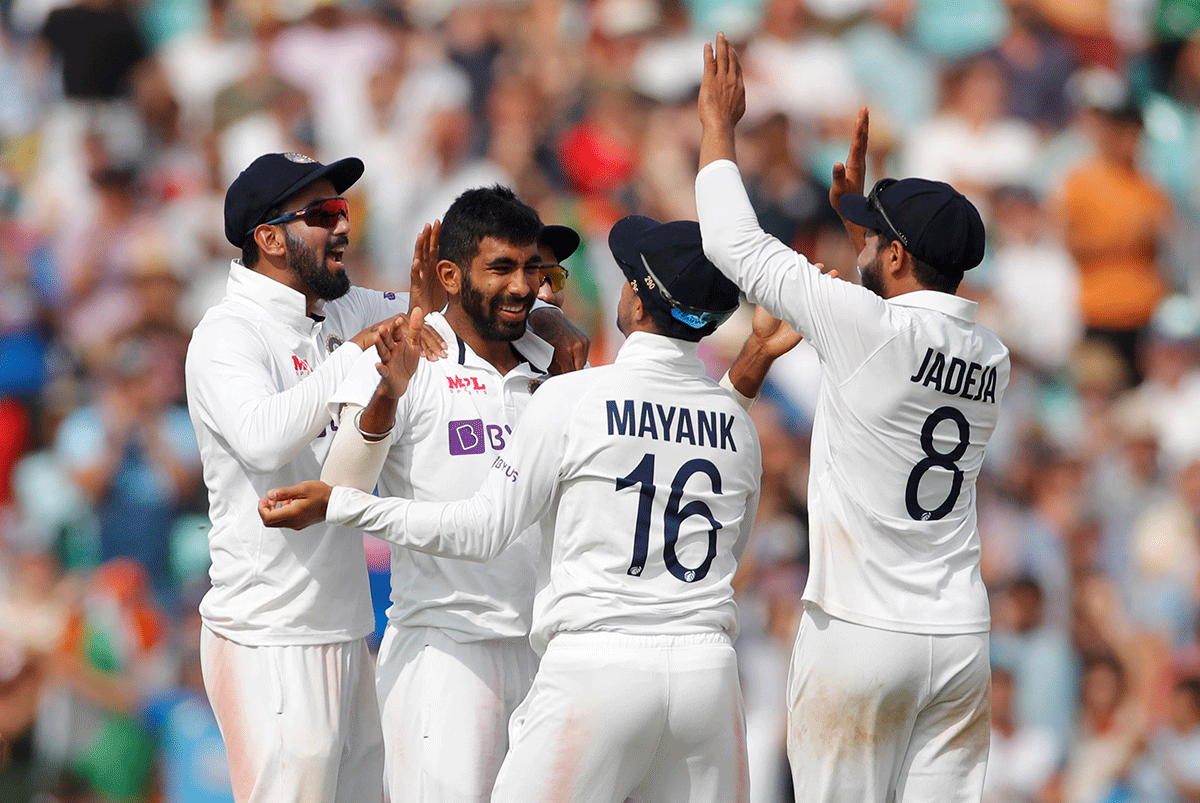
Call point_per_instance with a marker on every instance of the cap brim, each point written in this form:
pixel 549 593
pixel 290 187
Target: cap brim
pixel 342 174
pixel 856 209
pixel 622 239
pixel 562 240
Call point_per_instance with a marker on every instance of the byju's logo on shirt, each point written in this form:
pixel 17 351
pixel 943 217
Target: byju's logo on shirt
pixel 301 366
pixel 473 437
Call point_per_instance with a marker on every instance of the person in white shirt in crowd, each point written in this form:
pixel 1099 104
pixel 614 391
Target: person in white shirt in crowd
pixel 286 663
pixel 909 397
pixel 637 694
pixel 1022 758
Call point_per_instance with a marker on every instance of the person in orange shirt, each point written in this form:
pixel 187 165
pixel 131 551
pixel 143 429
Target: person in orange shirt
pixel 1114 217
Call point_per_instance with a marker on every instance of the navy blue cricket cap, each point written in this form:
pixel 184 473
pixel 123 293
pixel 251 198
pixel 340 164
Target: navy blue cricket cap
pixel 932 220
pixel 665 262
pixel 561 240
pixel 273 178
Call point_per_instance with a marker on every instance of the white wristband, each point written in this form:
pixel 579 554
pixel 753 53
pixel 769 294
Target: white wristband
pixel 727 383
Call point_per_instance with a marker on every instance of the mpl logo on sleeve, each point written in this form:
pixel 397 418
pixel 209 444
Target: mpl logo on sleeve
pixel 301 366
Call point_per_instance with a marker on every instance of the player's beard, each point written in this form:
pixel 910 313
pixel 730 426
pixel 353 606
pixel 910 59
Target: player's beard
pixel 302 260
pixel 872 275
pixel 485 313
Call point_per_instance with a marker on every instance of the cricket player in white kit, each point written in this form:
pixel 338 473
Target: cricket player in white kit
pixel 285 658
pixel 648 473
pixel 889 683
pixel 286 664
pixel 455 659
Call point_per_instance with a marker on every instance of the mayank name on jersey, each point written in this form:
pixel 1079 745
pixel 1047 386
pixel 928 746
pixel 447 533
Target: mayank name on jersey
pixel 674 424
pixel 956 377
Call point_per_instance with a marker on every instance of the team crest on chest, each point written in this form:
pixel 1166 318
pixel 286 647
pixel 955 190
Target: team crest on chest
pixel 332 342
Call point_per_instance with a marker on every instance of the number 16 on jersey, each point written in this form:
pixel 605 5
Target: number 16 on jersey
pixel 673 517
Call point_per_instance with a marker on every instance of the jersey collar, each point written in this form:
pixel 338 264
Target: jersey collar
pixel 280 302
pixel 668 350
pixel 954 306
pixel 537 353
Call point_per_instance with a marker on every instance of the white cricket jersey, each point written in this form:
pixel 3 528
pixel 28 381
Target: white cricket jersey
pixel 456 417
pixel 260 375
pixel 909 398
pixel 649 473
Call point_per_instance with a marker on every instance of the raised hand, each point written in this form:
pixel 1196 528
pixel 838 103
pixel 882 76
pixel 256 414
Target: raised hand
pixel 400 349
pixel 849 178
pixel 722 101
pixel 425 290
pixel 296 507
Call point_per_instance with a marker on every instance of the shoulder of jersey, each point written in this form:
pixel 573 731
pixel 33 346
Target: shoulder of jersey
pixel 571 386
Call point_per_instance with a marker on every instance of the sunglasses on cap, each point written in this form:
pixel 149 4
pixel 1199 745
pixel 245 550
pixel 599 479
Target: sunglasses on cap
pixel 693 317
pixel 555 275
pixel 873 202
pixel 319 214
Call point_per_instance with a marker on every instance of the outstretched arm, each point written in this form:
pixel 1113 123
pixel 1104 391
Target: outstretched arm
pixel 515 495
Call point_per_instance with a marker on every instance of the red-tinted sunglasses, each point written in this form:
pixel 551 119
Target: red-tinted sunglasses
pixel 321 214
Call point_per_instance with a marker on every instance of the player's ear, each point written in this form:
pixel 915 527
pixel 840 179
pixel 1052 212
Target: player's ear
pixel 896 260
pixel 450 275
pixel 638 310
pixel 271 240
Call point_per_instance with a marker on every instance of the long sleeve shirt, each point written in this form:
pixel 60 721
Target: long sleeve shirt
pixel 910 393
pixel 649 472
pixel 260 377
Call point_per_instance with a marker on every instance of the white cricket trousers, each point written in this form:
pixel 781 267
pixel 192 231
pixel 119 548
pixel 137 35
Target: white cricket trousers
pixel 879 716
pixel 655 719
pixel 445 707
pixel 300 722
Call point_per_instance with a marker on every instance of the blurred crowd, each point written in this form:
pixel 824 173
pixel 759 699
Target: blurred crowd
pixel 1074 125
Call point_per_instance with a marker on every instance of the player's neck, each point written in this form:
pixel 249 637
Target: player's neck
pixel 287 277
pixel 499 353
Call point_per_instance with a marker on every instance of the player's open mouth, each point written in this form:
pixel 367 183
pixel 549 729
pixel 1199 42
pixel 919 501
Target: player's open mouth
pixel 336 256
pixel 514 312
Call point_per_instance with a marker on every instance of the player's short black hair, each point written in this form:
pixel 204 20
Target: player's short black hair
pixel 485 212
pixel 929 278
pixel 250 245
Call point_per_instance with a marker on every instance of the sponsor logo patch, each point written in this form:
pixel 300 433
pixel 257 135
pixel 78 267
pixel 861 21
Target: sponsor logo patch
pixel 466 437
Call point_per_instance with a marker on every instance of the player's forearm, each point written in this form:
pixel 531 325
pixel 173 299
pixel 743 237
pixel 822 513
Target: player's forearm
pixel 717 142
pixel 354 461
pixel 266 430
pixel 762 266
pixel 462 529
pixel 379 416
pixel 749 370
